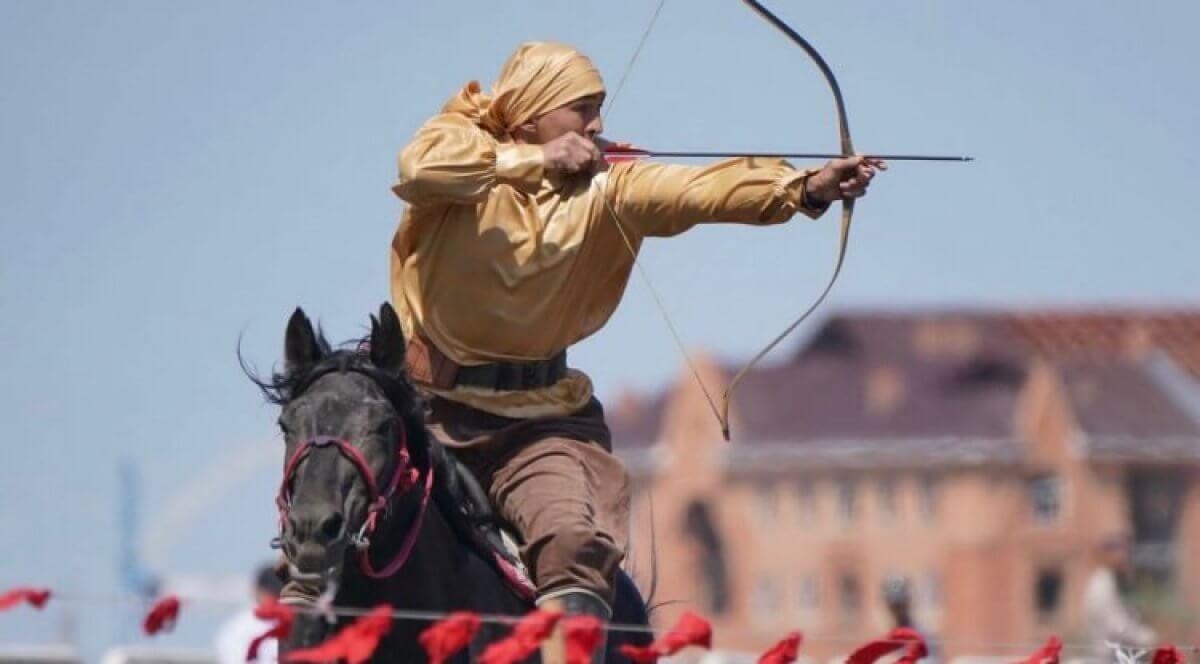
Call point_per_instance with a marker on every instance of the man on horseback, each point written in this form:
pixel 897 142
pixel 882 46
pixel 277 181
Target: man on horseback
pixel 517 242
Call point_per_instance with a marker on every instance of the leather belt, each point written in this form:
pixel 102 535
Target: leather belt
pixel 428 364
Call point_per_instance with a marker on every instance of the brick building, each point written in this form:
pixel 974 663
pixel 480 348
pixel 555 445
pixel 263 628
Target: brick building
pixel 979 455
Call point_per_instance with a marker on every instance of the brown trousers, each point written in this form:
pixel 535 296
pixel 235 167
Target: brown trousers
pixel 556 481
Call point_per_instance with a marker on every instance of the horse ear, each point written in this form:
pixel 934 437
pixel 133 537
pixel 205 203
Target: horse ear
pixel 300 347
pixel 387 339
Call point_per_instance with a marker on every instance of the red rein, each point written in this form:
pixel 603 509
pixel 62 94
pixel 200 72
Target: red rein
pixel 404 478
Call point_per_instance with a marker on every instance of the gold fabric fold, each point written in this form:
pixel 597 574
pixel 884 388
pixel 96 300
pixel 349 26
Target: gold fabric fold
pixel 539 77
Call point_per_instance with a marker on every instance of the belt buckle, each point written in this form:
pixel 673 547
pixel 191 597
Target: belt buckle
pixel 530 375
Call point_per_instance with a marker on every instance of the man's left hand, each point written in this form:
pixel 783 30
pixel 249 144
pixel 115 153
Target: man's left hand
pixel 847 177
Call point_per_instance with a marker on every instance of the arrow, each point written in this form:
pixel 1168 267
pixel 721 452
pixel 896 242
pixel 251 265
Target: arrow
pixel 614 154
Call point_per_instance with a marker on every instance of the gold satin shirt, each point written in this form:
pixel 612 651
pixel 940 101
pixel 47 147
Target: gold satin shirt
pixel 495 261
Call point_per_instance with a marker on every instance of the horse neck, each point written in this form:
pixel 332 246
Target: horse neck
pixel 442 573
pixel 434 544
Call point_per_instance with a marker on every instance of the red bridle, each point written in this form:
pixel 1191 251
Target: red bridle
pixel 404 478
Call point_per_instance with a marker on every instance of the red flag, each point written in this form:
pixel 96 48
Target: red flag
pixel 449 635
pixel 691 630
pixel 913 653
pixel 37 597
pixel 282 614
pixel 1047 654
pixel 1167 654
pixel 784 652
pixel 355 644
pixel 582 635
pixel 525 638
pixel 901 637
pixel 162 616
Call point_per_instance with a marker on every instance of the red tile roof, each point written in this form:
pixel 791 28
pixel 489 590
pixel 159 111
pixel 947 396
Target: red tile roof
pixel 1110 334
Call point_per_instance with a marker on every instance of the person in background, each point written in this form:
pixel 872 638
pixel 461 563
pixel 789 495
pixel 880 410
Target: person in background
pixel 897 597
pixel 236 633
pixel 1108 619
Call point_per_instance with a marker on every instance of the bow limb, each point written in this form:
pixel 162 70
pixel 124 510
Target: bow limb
pixel 847 147
pixel 847 207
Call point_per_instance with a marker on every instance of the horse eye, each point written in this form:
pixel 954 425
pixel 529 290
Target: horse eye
pixel 385 428
pixel 283 428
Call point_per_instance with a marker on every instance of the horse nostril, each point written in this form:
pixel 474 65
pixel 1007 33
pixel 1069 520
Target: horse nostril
pixel 331 527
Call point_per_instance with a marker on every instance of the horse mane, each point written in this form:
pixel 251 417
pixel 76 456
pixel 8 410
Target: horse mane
pixel 283 386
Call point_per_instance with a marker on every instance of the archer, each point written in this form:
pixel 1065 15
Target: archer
pixel 517 242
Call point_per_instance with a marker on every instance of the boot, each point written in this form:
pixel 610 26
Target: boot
pixel 575 602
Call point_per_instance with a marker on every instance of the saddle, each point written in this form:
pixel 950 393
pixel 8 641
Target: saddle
pixel 466 506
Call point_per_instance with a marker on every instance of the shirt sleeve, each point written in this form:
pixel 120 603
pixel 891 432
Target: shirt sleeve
pixel 452 160
pixel 661 200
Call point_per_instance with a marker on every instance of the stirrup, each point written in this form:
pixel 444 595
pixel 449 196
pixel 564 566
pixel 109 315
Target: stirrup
pixel 580 602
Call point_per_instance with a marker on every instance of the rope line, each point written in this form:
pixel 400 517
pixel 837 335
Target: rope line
pixel 501 619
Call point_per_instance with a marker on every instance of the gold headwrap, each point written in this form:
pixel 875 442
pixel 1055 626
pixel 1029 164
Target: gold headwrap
pixel 539 77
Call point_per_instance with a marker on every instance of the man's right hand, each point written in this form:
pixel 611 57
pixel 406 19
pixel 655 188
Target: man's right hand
pixel 571 154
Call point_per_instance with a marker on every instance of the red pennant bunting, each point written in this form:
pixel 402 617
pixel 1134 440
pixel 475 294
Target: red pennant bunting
pixel 901 637
pixel 36 597
pixel 784 652
pixel 691 630
pixel 449 635
pixel 525 638
pixel 1047 654
pixel 1167 654
pixel 582 634
pixel 162 616
pixel 355 644
pixel 282 614
pixel 913 653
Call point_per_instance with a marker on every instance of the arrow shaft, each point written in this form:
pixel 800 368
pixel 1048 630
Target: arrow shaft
pixel 782 155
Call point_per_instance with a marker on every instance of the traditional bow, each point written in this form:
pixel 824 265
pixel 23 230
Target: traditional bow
pixel 847 149
pixel 847 205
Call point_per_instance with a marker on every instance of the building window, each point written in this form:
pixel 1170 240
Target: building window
pixel 1047 592
pixel 1045 496
pixel 806 498
pixel 929 498
pixel 849 597
pixel 809 594
pixel 847 497
pixel 701 531
pixel 766 601
pixel 887 500
pixel 1157 499
pixel 766 504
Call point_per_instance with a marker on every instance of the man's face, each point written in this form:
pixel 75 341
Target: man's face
pixel 581 116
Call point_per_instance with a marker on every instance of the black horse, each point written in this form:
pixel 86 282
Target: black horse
pixel 365 501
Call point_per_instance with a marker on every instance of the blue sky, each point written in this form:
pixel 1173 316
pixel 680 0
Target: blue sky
pixel 173 175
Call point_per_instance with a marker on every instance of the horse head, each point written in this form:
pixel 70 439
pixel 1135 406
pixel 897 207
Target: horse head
pixel 357 453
